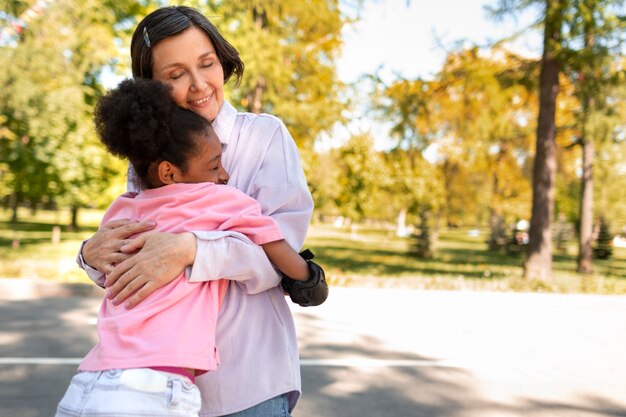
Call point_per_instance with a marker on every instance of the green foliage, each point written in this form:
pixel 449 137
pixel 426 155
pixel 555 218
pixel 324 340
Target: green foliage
pixel 603 248
pixel 475 115
pixel 359 175
pixel 412 183
pixel 50 81
pixel 289 49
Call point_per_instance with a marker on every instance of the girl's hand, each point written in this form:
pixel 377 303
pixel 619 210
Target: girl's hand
pixel 157 259
pixel 103 250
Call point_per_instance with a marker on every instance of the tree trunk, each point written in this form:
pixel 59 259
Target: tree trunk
pixel 497 232
pixel 255 97
pixel 74 221
pixel 14 206
pixel 585 238
pixel 586 210
pixel 538 263
pixel 448 173
pixel 16 200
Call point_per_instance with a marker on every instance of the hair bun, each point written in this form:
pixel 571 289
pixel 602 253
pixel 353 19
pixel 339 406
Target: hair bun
pixel 133 119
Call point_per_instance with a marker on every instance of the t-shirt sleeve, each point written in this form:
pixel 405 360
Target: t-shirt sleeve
pixel 249 221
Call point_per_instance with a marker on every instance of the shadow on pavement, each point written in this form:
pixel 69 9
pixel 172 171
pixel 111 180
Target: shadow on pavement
pixel 49 327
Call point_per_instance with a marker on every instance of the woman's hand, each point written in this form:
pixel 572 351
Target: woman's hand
pixel 103 250
pixel 157 258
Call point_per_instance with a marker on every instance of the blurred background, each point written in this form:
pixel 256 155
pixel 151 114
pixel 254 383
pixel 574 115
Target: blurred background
pixel 417 123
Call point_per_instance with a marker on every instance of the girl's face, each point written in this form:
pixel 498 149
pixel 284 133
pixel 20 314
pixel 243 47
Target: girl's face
pixel 206 166
pixel 188 63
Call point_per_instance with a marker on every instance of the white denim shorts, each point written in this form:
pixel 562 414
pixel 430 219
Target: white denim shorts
pixel 129 392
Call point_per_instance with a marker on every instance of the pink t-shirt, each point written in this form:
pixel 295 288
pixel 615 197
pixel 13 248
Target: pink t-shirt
pixel 175 326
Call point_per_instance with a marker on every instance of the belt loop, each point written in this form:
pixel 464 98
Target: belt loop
pixel 94 379
pixel 176 391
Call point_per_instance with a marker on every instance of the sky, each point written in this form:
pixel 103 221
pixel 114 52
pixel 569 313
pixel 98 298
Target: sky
pixel 408 39
pixel 403 37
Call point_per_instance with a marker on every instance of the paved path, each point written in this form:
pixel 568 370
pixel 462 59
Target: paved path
pixel 385 352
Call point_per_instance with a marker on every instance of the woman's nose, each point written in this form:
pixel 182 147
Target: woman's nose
pixel 197 82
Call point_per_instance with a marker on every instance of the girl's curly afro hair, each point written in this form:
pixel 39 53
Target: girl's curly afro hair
pixel 139 121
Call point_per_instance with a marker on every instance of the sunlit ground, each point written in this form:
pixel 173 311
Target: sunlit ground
pixel 365 256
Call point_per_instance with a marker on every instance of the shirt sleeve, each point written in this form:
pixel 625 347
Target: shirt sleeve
pixel 281 188
pixel 237 249
pixel 283 194
pixel 96 276
pixel 133 184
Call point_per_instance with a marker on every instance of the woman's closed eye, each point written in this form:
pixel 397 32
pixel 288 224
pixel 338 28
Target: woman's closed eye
pixel 176 75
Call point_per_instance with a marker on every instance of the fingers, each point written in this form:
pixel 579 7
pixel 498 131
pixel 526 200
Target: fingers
pixel 102 249
pixel 119 275
pixel 113 259
pixel 141 294
pixel 133 292
pixel 133 245
pixel 124 286
pixel 129 229
pixel 115 224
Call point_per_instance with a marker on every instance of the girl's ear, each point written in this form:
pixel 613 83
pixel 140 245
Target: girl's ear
pixel 168 173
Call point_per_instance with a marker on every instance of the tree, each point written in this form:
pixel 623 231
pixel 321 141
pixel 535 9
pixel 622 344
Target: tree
pixel 486 103
pixel 563 22
pixel 289 49
pixel 593 26
pixel 410 107
pixel 604 243
pixel 359 175
pixel 538 263
pixel 50 82
pixel 414 186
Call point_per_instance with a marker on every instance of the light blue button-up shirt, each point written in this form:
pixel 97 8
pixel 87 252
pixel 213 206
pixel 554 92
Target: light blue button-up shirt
pixel 256 334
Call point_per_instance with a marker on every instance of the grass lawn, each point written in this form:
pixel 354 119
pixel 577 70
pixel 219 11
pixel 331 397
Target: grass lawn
pixel 369 257
pixel 376 257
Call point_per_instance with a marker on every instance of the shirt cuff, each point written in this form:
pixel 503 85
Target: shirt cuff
pixel 93 274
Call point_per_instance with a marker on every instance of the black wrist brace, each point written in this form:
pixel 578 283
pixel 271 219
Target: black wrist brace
pixel 311 292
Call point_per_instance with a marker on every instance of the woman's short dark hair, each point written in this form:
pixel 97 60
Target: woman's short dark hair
pixel 140 122
pixel 171 21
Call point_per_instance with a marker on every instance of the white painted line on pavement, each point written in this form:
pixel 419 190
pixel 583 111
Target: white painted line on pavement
pixel 40 361
pixel 350 363
pixel 380 363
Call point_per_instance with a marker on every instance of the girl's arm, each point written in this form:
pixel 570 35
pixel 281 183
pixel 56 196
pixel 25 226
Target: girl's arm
pixel 287 260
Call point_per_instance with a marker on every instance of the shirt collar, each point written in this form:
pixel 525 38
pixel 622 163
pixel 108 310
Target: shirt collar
pixel 225 122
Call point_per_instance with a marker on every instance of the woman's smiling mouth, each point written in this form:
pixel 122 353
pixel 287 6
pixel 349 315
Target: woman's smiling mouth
pixel 201 101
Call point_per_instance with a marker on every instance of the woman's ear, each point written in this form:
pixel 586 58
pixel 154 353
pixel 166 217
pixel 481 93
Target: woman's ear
pixel 168 173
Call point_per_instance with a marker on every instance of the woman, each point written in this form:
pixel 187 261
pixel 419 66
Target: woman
pixel 259 374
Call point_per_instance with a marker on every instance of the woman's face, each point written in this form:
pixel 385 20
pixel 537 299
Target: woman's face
pixel 189 64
